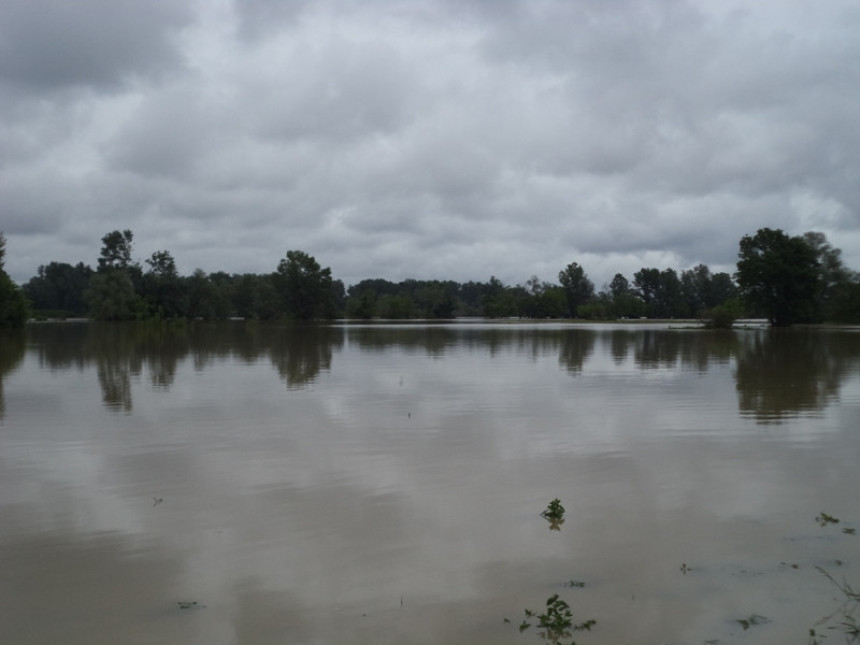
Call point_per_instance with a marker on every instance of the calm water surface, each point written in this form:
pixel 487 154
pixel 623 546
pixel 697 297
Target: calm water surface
pixel 383 484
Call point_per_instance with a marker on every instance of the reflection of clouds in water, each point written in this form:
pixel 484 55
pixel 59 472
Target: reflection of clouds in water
pixel 330 500
pixel 87 589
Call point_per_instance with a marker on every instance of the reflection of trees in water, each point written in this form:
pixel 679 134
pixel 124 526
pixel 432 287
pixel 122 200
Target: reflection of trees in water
pixel 62 345
pixel 785 372
pixel 779 372
pixel 122 351
pixel 572 345
pixel 115 381
pixel 620 341
pixel 12 345
pixel 671 348
pixel 432 340
pixel 576 346
pixel 118 357
pixel 299 353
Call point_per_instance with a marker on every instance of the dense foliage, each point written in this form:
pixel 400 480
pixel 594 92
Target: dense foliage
pixel 797 279
pixel 13 305
pixel 785 279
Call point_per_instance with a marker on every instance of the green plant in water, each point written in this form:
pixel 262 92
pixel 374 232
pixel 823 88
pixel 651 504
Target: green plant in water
pixel 554 510
pixel 555 624
pixel 824 519
pixel 849 623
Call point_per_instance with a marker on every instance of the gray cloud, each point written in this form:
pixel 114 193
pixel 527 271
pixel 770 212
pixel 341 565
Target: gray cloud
pixel 53 44
pixel 436 139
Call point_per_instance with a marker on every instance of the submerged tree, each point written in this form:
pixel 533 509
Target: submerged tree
pixel 307 290
pixel 779 275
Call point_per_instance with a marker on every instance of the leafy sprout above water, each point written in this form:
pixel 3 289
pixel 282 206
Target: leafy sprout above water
pixel 554 510
pixel 824 519
pixel 555 624
pixel 554 514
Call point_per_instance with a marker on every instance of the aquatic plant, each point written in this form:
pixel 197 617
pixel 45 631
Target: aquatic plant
pixel 824 519
pixel 555 624
pixel 849 624
pixel 554 510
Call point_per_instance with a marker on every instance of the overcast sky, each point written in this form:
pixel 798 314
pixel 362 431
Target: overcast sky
pixel 448 139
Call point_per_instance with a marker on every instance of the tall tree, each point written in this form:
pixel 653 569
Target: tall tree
pixel 624 302
pixel 647 282
pixel 116 251
pixel 165 292
pixel 578 289
pixel 306 288
pixel 779 275
pixel 695 288
pixel 661 292
pixel 833 275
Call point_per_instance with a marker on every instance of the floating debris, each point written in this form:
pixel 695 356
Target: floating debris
pixel 824 519
pixel 754 619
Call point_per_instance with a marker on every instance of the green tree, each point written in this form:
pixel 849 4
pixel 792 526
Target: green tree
pixel 833 275
pixel 162 265
pixel 578 289
pixel 162 288
pixel 116 251
pixel 723 290
pixel 59 287
pixel 498 300
pixel 647 284
pixel 661 292
pixel 14 308
pixel 254 297
pixel 307 290
pixel 204 299
pixel 111 296
pixel 779 275
pixel 624 302
pixel 695 288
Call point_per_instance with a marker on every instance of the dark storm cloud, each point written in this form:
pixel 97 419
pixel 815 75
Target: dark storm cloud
pixel 52 44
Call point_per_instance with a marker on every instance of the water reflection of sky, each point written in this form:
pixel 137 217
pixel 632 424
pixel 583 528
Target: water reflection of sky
pixel 397 471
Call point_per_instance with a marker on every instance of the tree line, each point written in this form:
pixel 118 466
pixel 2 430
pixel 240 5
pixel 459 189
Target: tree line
pixel 786 279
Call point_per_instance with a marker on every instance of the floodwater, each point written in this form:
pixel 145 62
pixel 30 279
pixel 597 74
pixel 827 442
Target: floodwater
pixel 383 484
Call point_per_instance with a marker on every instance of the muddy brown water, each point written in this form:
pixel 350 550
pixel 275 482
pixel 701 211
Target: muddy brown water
pixel 383 483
